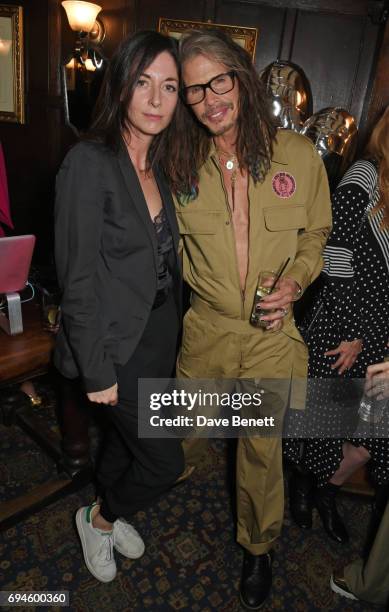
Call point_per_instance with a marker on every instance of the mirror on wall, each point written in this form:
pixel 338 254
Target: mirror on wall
pixel 82 73
pixel 81 83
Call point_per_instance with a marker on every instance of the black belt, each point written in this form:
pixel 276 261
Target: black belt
pixel 160 297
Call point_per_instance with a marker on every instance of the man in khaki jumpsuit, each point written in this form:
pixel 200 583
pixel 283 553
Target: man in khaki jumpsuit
pixel 235 227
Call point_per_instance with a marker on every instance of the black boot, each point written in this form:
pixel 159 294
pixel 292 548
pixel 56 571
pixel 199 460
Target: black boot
pixel 256 580
pixel 326 506
pixel 301 488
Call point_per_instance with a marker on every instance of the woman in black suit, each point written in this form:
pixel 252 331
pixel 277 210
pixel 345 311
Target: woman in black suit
pixel 116 255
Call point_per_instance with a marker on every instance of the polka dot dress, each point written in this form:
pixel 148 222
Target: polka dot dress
pixel 354 303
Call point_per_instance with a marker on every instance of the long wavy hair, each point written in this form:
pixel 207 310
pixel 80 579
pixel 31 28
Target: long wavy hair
pixel 378 149
pixel 256 130
pixel 110 118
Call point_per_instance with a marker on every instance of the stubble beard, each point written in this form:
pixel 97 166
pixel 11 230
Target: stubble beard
pixel 219 131
pixel 222 130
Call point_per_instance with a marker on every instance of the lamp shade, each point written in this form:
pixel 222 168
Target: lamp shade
pixel 81 15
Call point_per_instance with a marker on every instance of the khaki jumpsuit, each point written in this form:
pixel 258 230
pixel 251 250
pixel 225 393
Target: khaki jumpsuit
pixel 289 216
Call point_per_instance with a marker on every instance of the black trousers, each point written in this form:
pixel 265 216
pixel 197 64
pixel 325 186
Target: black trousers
pixel 134 471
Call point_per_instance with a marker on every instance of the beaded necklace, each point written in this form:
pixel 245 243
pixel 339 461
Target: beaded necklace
pixel 230 162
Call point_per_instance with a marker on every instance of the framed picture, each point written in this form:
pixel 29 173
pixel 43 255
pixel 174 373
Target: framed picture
pixel 11 64
pixel 245 37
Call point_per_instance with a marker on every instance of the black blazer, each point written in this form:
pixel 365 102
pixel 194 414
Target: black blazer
pixel 106 257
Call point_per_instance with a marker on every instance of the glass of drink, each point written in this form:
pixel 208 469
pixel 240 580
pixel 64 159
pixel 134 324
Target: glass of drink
pixel 371 408
pixel 265 285
pixel 51 310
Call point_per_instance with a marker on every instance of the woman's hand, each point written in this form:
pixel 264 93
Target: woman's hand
pixel 107 396
pixel 377 380
pixel 348 353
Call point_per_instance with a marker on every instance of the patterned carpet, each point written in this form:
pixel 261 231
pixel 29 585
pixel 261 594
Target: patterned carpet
pixel 191 563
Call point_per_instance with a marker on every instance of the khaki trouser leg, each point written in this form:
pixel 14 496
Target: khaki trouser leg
pixel 259 482
pixel 212 352
pixel 260 493
pixel 195 448
pixel 370 580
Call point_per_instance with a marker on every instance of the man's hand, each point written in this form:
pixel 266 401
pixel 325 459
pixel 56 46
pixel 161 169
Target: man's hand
pixel 377 380
pixel 281 300
pixel 274 326
pixel 107 396
pixel 348 353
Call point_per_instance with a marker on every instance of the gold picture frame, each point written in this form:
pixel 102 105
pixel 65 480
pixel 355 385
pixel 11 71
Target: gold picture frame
pixel 245 37
pixel 11 64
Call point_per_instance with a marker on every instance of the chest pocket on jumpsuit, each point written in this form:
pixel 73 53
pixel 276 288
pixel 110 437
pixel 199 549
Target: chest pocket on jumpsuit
pixel 282 225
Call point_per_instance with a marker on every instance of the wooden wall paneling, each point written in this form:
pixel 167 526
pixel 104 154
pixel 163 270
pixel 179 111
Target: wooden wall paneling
pixel 288 33
pixel 130 26
pixel 328 47
pixel 54 112
pixel 367 62
pixel 378 96
pixel 148 11
pixel 36 52
pixel 268 20
pixel 346 7
pixel 55 102
pixel 119 17
pixel 211 11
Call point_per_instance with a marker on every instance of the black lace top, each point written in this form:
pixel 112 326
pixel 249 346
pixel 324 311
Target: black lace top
pixel 165 247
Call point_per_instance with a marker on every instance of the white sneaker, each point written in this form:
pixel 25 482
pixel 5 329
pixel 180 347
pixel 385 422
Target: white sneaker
pixel 339 585
pixel 127 540
pixel 97 546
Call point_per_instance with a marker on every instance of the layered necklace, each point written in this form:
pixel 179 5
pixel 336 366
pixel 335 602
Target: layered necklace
pixel 230 162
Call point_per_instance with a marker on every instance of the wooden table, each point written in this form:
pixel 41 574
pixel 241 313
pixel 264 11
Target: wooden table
pixel 23 357
pixel 27 354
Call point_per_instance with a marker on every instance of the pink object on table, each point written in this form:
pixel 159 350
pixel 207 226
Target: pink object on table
pixel 15 259
pixel 5 213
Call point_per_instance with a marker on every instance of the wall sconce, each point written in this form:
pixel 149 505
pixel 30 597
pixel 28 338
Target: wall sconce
pixel 82 17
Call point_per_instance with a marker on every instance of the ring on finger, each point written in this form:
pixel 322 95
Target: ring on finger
pixel 284 311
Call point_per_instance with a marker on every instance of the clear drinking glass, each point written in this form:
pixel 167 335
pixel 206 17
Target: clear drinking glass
pixel 371 409
pixel 265 285
pixel 51 310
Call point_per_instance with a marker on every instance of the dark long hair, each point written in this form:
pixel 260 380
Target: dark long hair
pixel 378 149
pixel 256 130
pixel 110 119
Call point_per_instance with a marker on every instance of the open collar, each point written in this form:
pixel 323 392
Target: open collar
pixel 279 153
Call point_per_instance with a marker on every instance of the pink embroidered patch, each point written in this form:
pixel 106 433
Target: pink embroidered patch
pixel 284 184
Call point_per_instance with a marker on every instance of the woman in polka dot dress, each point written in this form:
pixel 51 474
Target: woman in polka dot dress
pixel 347 330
